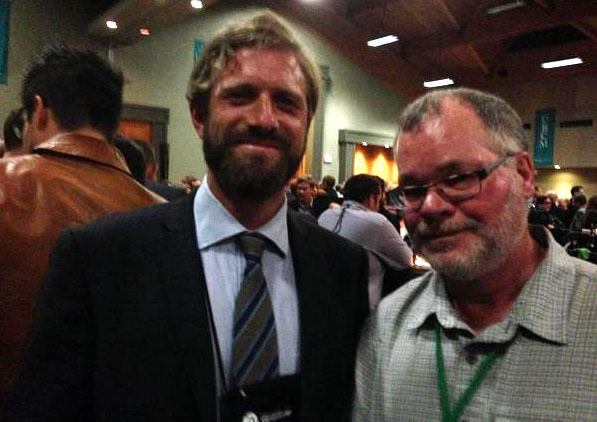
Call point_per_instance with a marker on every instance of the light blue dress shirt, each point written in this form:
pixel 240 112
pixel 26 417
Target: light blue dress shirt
pixel 224 263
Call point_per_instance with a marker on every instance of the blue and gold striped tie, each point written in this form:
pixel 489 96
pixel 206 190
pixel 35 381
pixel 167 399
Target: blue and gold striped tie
pixel 255 343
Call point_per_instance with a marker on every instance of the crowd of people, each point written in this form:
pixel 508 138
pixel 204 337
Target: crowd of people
pixel 253 295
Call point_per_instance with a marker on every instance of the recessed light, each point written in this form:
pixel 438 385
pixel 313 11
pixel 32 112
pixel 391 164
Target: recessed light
pixel 382 40
pixel 111 24
pixel 557 166
pixel 144 31
pixel 386 145
pixel 438 82
pixel 561 63
pixel 364 144
pixel 196 4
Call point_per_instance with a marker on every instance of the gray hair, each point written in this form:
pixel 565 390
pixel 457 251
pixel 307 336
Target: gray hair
pixel 263 31
pixel 502 121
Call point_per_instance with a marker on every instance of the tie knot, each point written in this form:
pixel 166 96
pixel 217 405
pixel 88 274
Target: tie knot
pixel 252 245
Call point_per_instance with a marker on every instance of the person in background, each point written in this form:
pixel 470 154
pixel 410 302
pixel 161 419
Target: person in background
pixel 149 315
pixel 72 101
pixel 579 203
pixel 359 220
pixel 329 195
pixel 133 156
pixel 503 326
pixel 152 169
pixel 13 134
pixel 304 190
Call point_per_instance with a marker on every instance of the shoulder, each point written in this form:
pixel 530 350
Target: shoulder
pixel 135 226
pixel 309 230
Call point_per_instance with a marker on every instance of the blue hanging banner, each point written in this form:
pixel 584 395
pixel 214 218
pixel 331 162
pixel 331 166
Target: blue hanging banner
pixel 4 28
pixel 197 49
pixel 545 129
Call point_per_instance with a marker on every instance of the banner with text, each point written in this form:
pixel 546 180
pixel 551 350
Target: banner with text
pixel 545 129
pixel 4 27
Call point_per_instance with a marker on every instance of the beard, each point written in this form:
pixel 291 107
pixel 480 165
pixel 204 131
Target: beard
pixel 489 249
pixel 251 176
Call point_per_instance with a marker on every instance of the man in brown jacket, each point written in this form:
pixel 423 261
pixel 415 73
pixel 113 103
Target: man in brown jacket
pixel 72 100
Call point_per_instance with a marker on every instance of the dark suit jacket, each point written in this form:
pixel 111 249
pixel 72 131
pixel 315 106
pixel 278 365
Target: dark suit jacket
pixel 121 331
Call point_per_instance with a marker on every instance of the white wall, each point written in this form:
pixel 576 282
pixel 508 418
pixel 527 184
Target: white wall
pixel 157 70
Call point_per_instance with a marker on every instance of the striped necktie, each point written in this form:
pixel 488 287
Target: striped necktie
pixel 255 344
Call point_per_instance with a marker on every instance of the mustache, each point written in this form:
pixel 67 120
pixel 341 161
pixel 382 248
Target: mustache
pixel 443 228
pixel 258 135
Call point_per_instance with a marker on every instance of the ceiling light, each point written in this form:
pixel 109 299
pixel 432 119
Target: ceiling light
pixel 111 24
pixel 364 144
pixel 386 145
pixel 560 63
pixel 438 82
pixel 196 4
pixel 505 7
pixel 382 41
pixel 144 31
pixel 557 166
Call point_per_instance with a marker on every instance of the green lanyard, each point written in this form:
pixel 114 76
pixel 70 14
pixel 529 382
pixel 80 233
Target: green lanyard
pixel 448 414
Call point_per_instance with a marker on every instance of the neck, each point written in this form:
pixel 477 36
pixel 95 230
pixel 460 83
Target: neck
pixel 54 130
pixel 251 214
pixel 488 299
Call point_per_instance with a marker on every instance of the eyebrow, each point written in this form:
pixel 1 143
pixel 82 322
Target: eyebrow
pixel 449 168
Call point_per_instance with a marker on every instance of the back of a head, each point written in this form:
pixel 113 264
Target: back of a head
pixel 80 87
pixel 134 157
pixel 360 187
pixel 502 121
pixel 576 190
pixel 328 182
pixel 13 130
pixel 264 31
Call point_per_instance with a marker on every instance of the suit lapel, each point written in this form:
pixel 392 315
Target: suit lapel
pixel 185 288
pixel 313 284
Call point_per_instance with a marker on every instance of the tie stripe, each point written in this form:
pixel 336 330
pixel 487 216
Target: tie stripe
pixel 255 345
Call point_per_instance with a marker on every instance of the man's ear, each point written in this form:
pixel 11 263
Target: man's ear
pixel 41 114
pixel 526 170
pixel 198 122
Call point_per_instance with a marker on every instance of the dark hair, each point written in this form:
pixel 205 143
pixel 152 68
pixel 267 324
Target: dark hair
pixel 79 86
pixel 575 189
pixel 540 199
pixel 147 149
pixel 134 157
pixel 360 187
pixel 328 182
pixel 13 130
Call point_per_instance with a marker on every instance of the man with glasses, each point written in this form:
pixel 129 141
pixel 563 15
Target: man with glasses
pixel 503 327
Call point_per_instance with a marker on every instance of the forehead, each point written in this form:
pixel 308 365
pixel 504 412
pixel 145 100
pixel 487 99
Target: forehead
pixel 261 66
pixel 456 140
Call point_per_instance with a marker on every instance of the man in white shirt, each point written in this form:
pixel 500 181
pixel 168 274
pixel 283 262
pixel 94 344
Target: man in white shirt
pixel 358 219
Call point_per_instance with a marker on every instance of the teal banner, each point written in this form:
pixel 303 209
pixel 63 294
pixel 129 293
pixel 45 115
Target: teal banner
pixel 4 27
pixel 197 49
pixel 545 129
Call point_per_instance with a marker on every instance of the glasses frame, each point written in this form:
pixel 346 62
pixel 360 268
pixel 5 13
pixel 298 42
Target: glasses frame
pixel 481 174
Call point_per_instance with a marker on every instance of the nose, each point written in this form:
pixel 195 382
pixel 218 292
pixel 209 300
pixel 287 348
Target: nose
pixel 434 205
pixel 263 113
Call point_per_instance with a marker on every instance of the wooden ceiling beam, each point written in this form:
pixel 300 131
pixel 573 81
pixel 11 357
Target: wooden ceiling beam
pixel 380 63
pixel 479 60
pixel 587 30
pixel 449 15
pixel 499 27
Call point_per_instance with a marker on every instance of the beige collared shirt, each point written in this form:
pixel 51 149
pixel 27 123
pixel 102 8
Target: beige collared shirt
pixel 547 370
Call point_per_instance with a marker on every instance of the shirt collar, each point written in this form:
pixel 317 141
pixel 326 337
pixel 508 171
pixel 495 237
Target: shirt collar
pixel 348 203
pixel 214 224
pixel 542 306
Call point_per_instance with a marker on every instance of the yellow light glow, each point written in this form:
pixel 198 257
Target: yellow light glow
pixel 360 163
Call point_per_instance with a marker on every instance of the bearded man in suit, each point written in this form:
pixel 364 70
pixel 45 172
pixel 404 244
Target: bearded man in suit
pixel 138 317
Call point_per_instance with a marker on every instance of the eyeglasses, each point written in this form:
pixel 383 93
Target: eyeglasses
pixel 455 188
